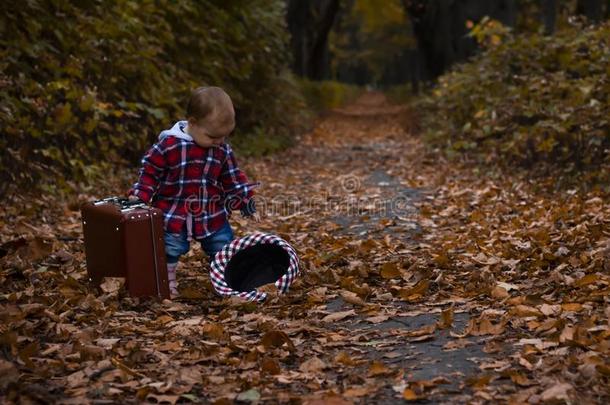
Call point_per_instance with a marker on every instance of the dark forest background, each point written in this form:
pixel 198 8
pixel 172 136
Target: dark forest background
pixel 399 41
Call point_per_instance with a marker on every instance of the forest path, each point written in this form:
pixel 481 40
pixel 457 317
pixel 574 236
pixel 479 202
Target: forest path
pixel 347 197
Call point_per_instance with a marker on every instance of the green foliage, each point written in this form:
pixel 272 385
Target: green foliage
pixel 325 95
pixel 401 93
pixel 371 35
pixel 87 85
pixel 532 100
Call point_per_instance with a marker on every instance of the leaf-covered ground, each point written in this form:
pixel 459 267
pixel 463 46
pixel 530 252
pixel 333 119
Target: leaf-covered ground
pixel 422 281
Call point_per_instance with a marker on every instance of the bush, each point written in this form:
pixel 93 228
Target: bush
pixel 87 85
pixel 325 95
pixel 532 100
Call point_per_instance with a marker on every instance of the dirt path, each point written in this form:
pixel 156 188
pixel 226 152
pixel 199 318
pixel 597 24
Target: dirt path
pixel 351 191
pixel 421 281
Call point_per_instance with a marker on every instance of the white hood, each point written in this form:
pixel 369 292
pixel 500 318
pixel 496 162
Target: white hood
pixel 178 130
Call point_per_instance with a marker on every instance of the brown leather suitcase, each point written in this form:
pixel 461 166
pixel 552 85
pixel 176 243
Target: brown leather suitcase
pixel 125 239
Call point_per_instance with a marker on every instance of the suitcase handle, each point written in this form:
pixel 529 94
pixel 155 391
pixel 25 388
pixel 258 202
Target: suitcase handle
pixel 123 203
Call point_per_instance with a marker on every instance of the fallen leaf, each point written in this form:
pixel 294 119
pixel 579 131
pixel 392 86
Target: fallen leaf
pixel 276 338
pixel 270 366
pixel 337 316
pixel 499 292
pixel 586 280
pixel 111 285
pixel 352 298
pixel 312 365
pixel 377 319
pixel 390 271
pixel 8 374
pixel 409 395
pixel 378 368
pixel 525 311
pixel 446 320
pixel 558 391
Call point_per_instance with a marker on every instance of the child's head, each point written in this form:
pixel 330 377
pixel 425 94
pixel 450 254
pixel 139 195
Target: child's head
pixel 210 115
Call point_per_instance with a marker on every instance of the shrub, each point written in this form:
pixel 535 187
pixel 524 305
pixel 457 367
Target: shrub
pixel 532 100
pixel 325 95
pixel 86 85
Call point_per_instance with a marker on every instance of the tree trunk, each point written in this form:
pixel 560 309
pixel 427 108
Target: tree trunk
pixel 439 27
pixel 309 23
pixel 592 9
pixel 549 15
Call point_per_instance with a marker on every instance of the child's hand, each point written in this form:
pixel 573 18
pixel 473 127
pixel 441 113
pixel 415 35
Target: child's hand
pixel 256 217
pixel 133 198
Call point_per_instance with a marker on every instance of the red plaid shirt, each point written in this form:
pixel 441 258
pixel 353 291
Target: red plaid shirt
pixel 195 187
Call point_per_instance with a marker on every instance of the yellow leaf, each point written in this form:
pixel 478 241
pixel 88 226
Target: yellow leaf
pixel 344 358
pixel 416 292
pixel 499 292
pixel 390 270
pixel 377 368
pixel 446 320
pixel 571 307
pixel 409 395
pixel 586 280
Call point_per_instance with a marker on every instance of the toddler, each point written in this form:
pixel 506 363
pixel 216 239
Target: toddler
pixel 191 175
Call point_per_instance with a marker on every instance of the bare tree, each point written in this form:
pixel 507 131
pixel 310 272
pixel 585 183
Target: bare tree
pixel 549 15
pixel 310 22
pixel 592 9
pixel 440 27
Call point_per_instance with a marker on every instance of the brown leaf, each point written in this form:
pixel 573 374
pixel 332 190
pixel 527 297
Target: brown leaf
pixel 484 326
pixel 479 382
pixel 446 320
pixel 571 307
pixel 410 395
pixel 390 271
pixel 112 285
pixel 423 331
pixel 270 366
pixel 525 311
pixel 36 249
pixel 499 293
pixel 377 319
pixel 558 391
pixel 344 358
pixel 214 331
pixel 276 338
pixel 377 368
pixel 521 379
pixel 352 298
pixel 159 399
pixel 356 392
pixel 410 294
pixel 8 374
pixel 312 365
pixel 586 280
pixel 191 293
pixel 328 400
pixel 337 316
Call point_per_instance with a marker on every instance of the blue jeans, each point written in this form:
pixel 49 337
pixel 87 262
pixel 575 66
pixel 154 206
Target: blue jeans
pixel 177 244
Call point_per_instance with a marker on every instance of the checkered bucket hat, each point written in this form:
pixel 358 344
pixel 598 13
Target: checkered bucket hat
pixel 253 261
